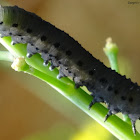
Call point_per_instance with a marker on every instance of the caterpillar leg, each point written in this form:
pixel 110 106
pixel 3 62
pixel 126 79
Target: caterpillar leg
pixel 77 85
pixel 45 63
pixel 77 82
pixel 92 103
pixel 133 126
pixel 95 100
pixel 54 63
pixel 111 111
pixel 51 67
pixel 16 39
pixel 46 57
pixel 108 115
pixel 31 50
pixel 61 74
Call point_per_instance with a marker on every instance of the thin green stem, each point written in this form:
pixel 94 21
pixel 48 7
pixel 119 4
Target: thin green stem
pixel 65 86
pixel 81 99
pixel 111 51
pixel 6 56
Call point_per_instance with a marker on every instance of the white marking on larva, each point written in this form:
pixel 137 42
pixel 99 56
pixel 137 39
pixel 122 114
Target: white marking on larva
pixel 45 64
pixel 29 55
pixel 50 68
pixel 58 76
pixel 13 43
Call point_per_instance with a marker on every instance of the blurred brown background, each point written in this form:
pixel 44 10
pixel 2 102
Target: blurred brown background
pixel 22 113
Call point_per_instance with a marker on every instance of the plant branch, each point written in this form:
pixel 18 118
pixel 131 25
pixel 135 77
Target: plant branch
pixel 6 56
pixel 111 51
pixel 65 86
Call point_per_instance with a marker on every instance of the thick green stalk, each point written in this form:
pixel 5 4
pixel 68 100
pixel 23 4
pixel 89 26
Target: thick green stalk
pixel 65 86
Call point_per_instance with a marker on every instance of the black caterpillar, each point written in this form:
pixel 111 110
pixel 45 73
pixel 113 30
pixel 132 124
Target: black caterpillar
pixel 56 46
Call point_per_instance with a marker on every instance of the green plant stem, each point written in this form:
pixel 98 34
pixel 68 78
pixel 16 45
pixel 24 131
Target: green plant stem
pixel 65 86
pixel 111 51
pixel 6 56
